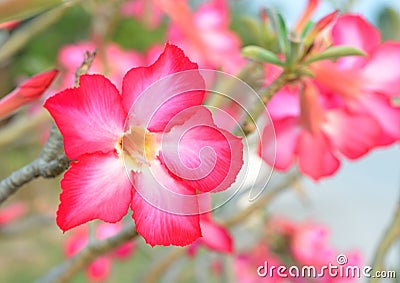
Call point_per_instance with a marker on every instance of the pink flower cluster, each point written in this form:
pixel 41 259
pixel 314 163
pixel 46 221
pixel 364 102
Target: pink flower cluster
pixel 346 110
pixel 292 244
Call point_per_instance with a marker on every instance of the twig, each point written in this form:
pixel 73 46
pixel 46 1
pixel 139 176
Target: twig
pixel 154 274
pixel 67 270
pixel 261 202
pixel 248 125
pixel 391 236
pixel 51 163
pixel 25 225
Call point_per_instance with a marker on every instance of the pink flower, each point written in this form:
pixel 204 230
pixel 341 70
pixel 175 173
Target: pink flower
pixel 100 268
pixel 29 91
pixel 316 126
pixel 367 84
pixel 312 135
pixel 204 34
pixel 246 265
pixel 12 212
pixel 115 62
pixel 214 237
pixel 144 10
pixel 168 150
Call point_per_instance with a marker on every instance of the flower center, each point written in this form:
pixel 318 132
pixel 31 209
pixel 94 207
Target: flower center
pixel 137 147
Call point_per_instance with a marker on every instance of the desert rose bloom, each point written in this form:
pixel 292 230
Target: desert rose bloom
pixel 312 135
pixel 12 212
pixel 204 34
pixel 100 268
pixel 214 236
pixel 114 63
pixel 315 127
pixel 366 84
pixel 146 11
pixel 158 152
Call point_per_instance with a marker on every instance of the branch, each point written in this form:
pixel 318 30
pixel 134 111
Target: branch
pixel 390 237
pixel 67 270
pixel 262 201
pixel 51 163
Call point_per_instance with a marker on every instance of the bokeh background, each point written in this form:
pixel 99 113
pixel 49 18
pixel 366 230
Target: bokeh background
pixel 356 204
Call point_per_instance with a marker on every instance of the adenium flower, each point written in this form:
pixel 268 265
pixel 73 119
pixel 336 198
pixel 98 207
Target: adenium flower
pixel 146 11
pixel 204 34
pixel 158 152
pixel 316 125
pixel 12 212
pixel 100 268
pixel 29 91
pixel 214 237
pixel 312 135
pixel 117 61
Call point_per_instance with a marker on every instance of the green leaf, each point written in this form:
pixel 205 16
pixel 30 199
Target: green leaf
pixel 279 26
pixel 21 9
pixel 260 54
pixel 335 52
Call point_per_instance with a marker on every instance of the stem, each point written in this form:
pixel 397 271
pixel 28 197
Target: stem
pixel 49 164
pixel 391 235
pixel 249 124
pixel 67 270
pixel 262 201
pixel 158 270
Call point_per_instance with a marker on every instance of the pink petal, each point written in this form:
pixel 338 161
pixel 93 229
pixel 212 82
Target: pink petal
pixel 204 156
pixel 382 74
pixel 90 117
pixel 95 187
pixel 215 237
pixel 355 31
pixel 168 96
pixel 100 269
pixel 387 115
pixel 353 144
pixel 286 132
pixel 284 103
pixel 315 156
pixel 12 212
pixel 76 241
pixel 165 212
pixel 30 90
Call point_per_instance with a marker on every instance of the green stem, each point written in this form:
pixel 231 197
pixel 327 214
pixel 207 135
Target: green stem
pixel 390 237
pixel 249 124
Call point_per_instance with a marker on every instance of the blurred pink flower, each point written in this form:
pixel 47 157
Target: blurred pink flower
pixel 247 263
pixel 114 63
pixel 204 34
pixel 29 91
pixel 315 123
pixel 100 268
pixel 92 120
pixel 12 212
pixel 146 11
pixel 214 237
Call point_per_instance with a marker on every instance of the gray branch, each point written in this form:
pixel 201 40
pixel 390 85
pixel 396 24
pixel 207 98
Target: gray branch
pixel 51 163
pixel 67 270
